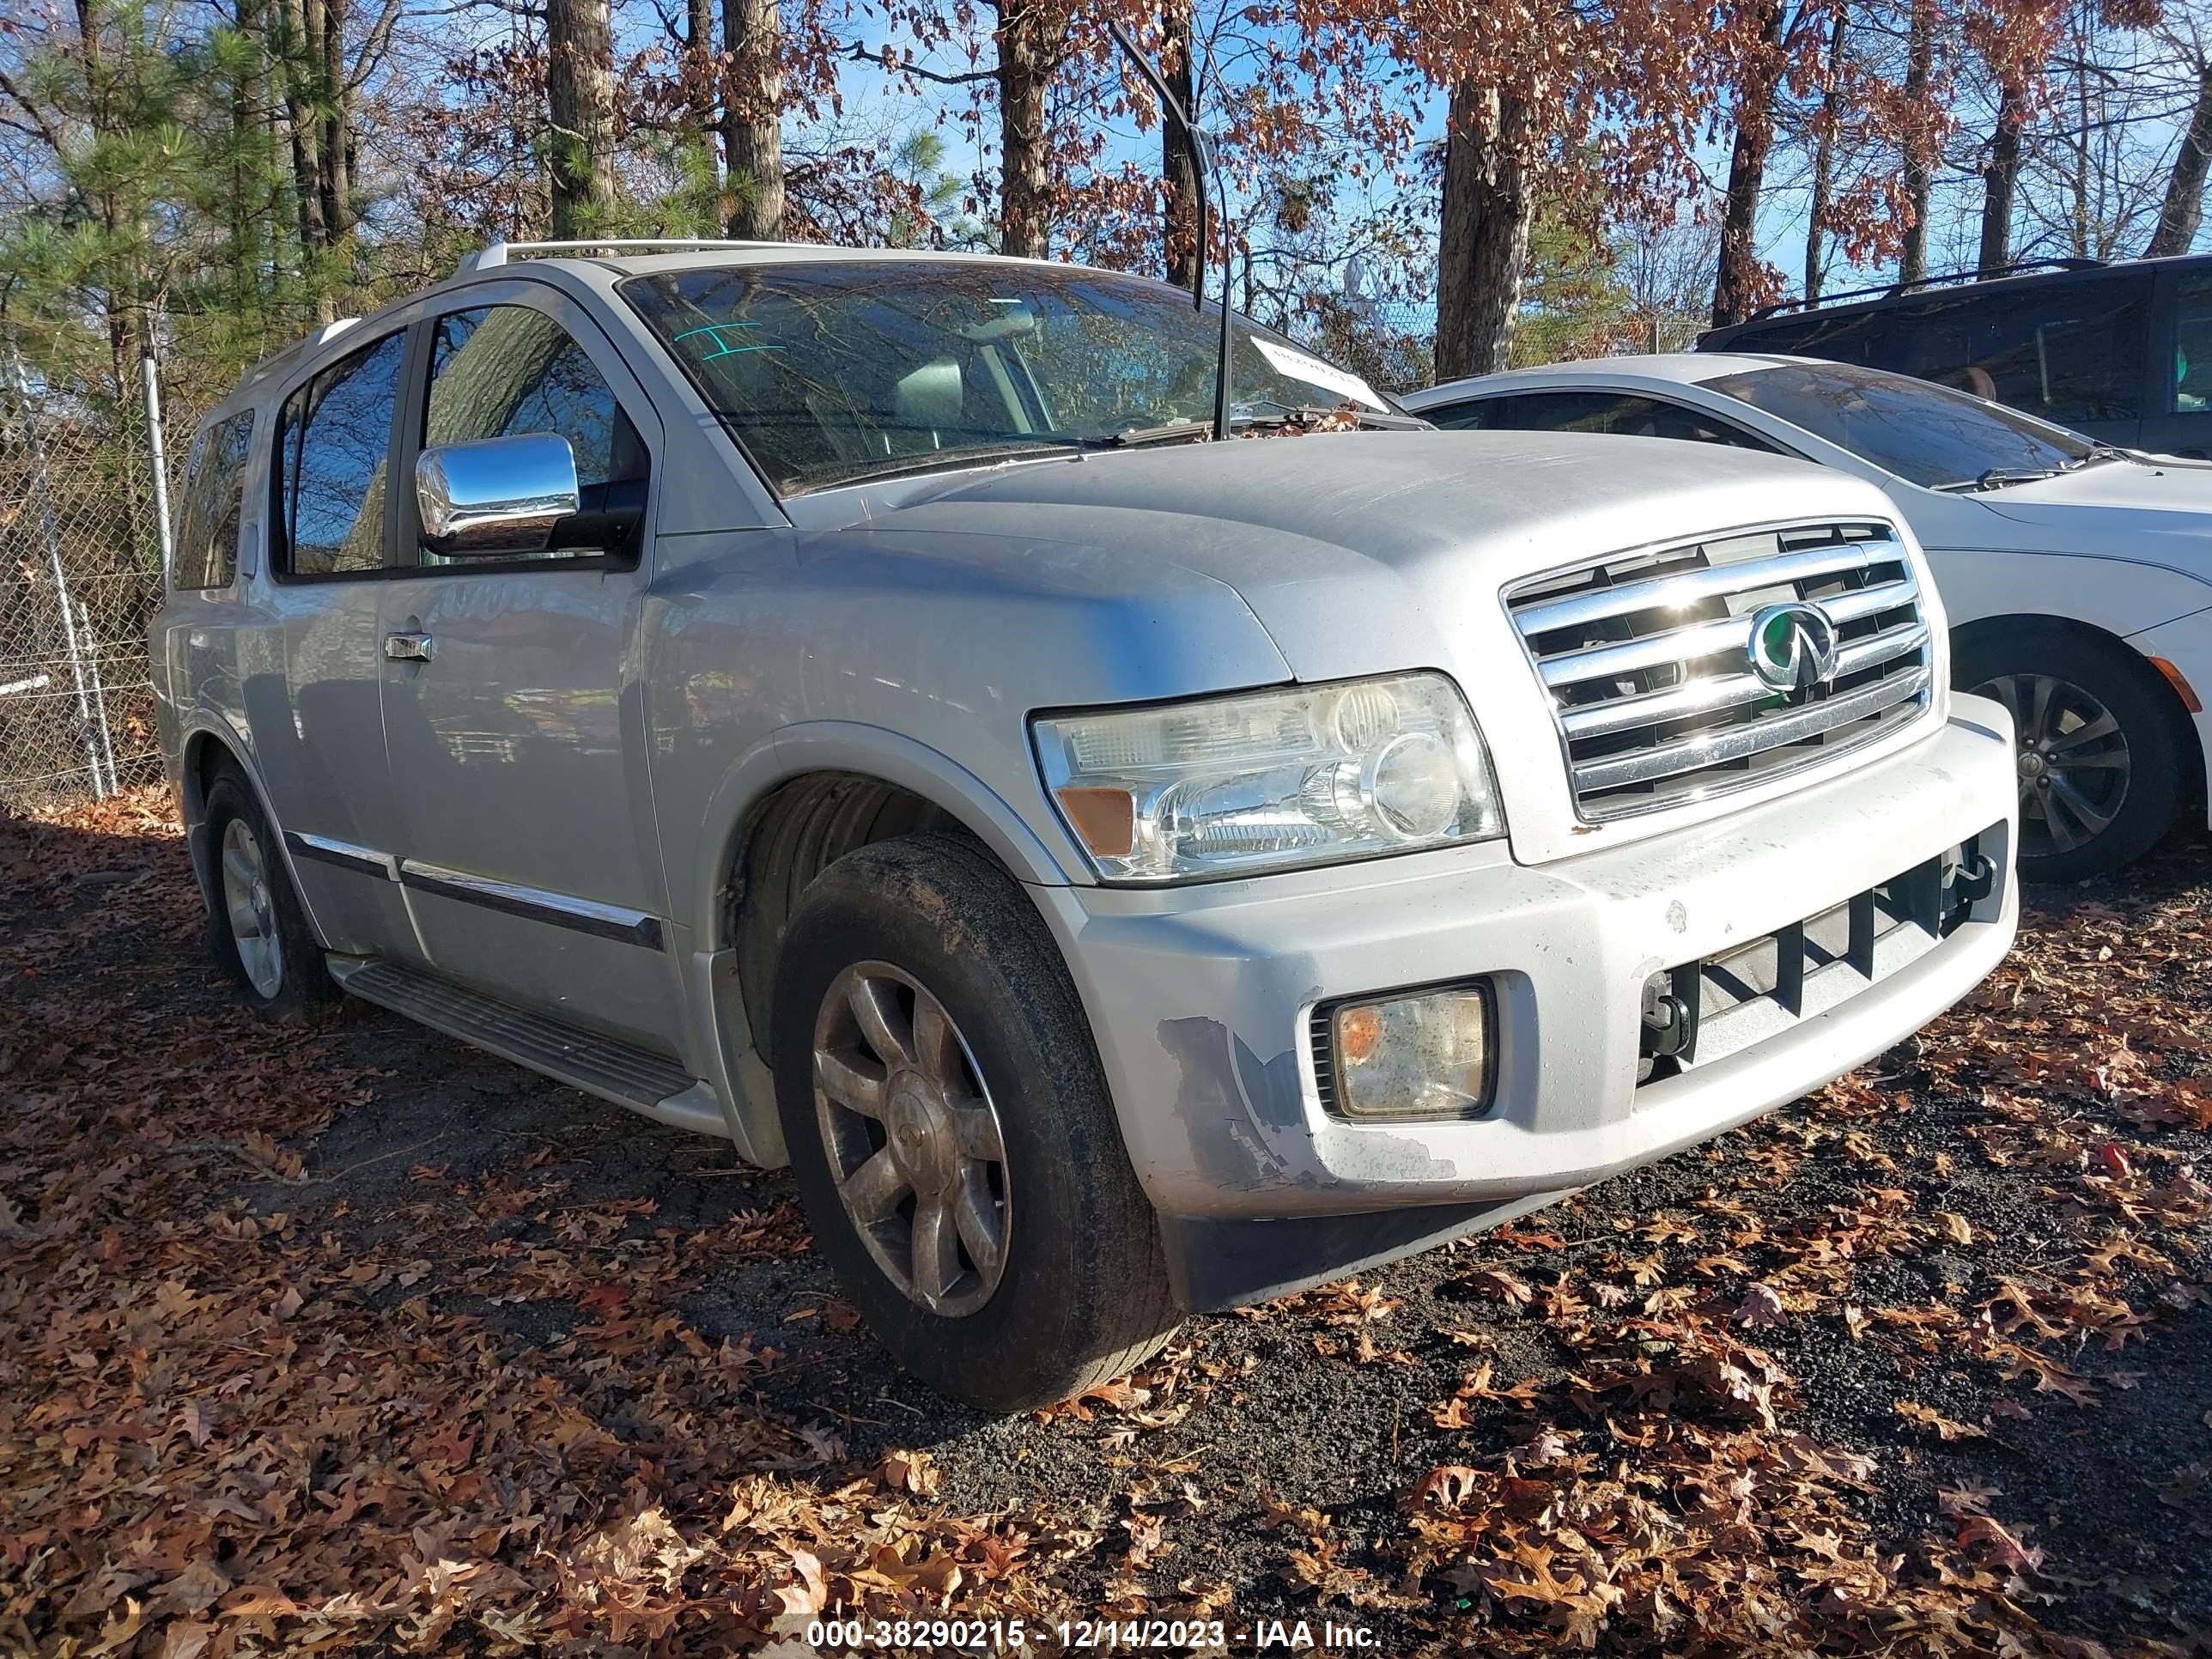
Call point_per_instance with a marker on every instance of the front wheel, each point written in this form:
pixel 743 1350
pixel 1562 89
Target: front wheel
pixel 952 1135
pixel 2097 760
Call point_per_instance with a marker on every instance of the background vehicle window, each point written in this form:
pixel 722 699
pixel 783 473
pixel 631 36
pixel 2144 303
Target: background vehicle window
pixel 503 371
pixel 335 439
pixel 214 483
pixel 2190 391
pixel 2069 352
pixel 1622 414
pixel 1479 415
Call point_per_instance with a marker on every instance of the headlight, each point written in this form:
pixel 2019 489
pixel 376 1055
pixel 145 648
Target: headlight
pixel 1271 780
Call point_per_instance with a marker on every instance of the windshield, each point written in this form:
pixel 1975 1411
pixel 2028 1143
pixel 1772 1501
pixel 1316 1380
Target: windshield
pixel 1928 434
pixel 828 371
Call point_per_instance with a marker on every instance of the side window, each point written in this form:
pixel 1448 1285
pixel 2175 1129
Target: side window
pixel 1647 417
pixel 2068 352
pixel 335 442
pixel 1554 411
pixel 214 485
pixel 2189 391
pixel 1621 413
pixel 505 371
pixel 1477 416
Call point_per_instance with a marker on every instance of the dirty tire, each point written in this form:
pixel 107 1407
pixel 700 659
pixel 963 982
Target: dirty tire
pixel 304 984
pixel 1083 1295
pixel 2097 675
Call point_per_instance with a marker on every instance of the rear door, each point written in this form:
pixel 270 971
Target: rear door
pixel 310 672
pixel 516 732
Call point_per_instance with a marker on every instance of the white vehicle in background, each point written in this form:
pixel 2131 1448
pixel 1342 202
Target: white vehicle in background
pixel 2077 577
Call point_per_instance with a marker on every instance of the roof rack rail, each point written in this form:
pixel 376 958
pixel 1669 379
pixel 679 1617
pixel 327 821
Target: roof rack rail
pixel 496 253
pixel 1892 290
pixel 328 331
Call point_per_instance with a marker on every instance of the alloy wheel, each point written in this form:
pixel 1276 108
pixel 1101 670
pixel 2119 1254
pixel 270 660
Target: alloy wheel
pixel 913 1143
pixel 2072 762
pixel 250 908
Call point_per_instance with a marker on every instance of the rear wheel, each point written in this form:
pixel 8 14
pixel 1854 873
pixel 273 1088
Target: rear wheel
pixel 2097 758
pixel 257 929
pixel 952 1135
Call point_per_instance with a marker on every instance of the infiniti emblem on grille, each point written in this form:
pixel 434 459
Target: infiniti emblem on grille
pixel 1792 646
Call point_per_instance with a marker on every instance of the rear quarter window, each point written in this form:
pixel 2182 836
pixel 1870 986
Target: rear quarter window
pixel 215 486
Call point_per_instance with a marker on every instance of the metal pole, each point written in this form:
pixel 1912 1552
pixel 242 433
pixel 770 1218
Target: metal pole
pixel 53 535
pixel 149 379
pixel 99 693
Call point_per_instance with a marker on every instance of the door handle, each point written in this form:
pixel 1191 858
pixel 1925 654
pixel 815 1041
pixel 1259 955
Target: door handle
pixel 409 647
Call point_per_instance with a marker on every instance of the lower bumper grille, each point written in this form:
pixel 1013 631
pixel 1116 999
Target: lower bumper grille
pixel 1701 1011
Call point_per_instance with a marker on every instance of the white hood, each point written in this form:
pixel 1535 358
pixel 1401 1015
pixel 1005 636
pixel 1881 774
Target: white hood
pixel 2178 492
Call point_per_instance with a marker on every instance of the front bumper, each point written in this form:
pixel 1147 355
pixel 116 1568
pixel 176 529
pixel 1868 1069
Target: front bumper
pixel 1200 998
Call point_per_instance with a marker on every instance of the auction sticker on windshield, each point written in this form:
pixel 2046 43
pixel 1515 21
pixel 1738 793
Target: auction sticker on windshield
pixel 1289 360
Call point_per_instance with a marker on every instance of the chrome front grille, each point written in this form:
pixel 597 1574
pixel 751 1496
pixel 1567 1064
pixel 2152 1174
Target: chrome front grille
pixel 1647 659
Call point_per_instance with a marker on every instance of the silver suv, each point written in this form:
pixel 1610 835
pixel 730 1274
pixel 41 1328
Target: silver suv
pixel 838 702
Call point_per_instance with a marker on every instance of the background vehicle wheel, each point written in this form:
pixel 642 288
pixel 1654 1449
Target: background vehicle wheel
pixel 257 929
pixel 2099 766
pixel 952 1135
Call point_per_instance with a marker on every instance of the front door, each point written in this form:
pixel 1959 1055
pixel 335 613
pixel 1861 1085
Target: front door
pixel 515 740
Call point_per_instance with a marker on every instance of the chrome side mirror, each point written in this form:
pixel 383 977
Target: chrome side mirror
pixel 497 497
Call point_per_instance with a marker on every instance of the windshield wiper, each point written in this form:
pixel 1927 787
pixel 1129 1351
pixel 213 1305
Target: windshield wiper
pixel 1997 478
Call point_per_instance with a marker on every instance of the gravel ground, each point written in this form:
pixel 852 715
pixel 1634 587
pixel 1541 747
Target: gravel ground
pixel 1274 1464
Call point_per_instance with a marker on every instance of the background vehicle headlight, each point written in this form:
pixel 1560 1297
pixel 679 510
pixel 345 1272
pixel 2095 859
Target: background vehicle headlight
pixel 1271 780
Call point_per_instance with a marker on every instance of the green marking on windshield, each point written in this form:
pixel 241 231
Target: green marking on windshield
pixel 729 349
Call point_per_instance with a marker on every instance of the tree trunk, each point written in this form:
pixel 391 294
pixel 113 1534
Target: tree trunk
pixel 246 195
pixel 2184 188
pixel 2001 180
pixel 752 118
pixel 579 96
pixel 1489 208
pixel 1824 158
pixel 2081 155
pixel 1736 284
pixel 700 64
pixel 1919 65
pixel 335 152
pixel 1179 181
pixel 1029 35
pixel 300 55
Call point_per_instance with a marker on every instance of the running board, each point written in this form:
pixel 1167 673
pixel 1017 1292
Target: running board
pixel 645 1082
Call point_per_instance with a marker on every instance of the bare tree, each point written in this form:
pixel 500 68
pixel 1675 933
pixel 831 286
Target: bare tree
pixel 1825 126
pixel 2183 209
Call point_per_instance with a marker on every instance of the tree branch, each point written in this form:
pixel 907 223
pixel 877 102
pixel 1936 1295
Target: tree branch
pixel 880 58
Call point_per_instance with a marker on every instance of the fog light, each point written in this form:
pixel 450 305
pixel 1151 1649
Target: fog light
pixel 1427 1055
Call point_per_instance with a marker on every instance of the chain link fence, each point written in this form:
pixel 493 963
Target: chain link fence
pixel 81 525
